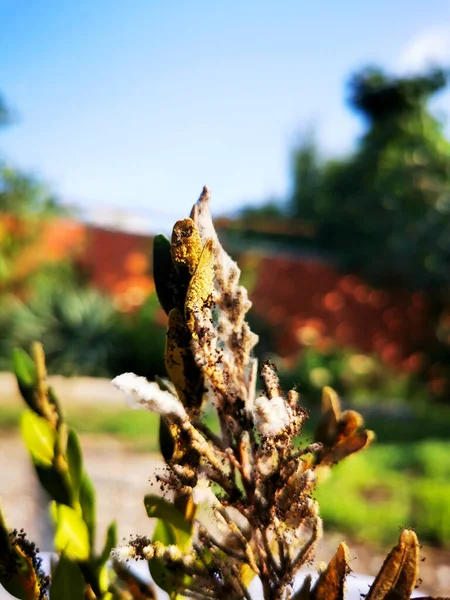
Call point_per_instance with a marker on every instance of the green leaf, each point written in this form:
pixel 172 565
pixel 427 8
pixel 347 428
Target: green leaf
pixel 166 441
pixel 164 533
pixel 25 372
pixel 39 437
pixel 161 576
pixel 88 503
pixel 159 508
pixel 75 461
pixel 53 482
pixel 110 542
pixel 67 581
pixel 163 272
pixel 71 535
pixel 171 528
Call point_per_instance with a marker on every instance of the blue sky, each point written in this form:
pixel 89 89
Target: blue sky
pixel 135 105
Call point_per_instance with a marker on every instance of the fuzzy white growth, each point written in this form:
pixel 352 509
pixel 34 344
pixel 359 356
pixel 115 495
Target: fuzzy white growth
pixel 271 416
pixel 140 392
pixel 202 492
pixel 123 553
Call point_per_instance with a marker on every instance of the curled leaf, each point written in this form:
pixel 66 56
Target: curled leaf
pixel 186 245
pixel 349 445
pixel 340 433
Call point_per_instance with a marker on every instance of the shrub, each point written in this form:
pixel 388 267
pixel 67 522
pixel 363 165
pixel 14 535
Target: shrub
pixel 79 328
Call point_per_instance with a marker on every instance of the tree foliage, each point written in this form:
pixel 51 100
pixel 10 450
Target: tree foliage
pixel 384 210
pixel 25 202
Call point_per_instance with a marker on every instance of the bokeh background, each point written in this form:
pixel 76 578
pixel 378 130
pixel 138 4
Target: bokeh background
pixel 322 130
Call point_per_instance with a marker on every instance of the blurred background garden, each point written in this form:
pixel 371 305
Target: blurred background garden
pixel 323 134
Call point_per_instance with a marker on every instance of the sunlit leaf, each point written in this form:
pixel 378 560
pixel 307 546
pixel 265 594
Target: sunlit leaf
pixel 39 437
pixel 71 535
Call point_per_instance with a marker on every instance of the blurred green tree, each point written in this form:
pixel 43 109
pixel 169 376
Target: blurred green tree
pixel 384 210
pixel 24 203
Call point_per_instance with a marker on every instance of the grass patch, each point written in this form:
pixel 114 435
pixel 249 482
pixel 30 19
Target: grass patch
pixel 136 427
pixel 371 495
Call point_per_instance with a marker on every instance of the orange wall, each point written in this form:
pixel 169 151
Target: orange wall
pixel 309 300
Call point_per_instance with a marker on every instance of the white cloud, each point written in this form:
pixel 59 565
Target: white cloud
pixel 429 48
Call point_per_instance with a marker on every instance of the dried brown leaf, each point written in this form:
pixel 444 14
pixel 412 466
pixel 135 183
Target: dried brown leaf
pixel 331 582
pixel 331 411
pixel 398 575
pixel 349 423
pixel 348 446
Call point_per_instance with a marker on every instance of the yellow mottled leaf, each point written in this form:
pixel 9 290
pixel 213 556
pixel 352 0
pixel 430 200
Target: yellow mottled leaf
pixel 180 363
pixel 186 245
pixel 200 287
